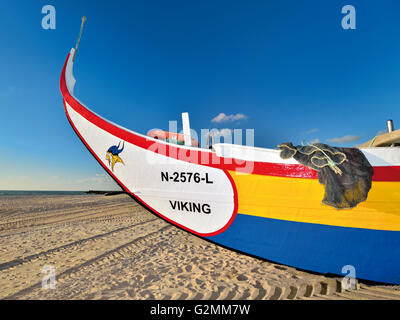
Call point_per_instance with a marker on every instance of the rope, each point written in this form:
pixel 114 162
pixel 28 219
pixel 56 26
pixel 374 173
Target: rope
pixel 79 37
pixel 372 142
pixel 333 165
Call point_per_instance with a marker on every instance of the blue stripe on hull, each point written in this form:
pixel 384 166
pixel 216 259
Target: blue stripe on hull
pixel 375 254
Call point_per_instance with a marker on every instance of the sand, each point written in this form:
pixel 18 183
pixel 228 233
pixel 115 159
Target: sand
pixel 109 247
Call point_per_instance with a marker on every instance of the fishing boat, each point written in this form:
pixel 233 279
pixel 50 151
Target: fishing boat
pixel 249 199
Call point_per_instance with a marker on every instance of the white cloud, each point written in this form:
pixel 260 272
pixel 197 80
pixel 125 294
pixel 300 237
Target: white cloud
pixel 314 141
pixel 313 130
pixel 344 139
pixel 381 132
pixel 222 117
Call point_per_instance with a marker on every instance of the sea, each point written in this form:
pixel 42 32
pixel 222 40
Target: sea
pixel 38 193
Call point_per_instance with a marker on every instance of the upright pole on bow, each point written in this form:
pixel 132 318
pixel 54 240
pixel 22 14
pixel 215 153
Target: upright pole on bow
pixel 79 38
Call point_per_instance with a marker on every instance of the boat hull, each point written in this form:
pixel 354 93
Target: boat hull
pixel 268 208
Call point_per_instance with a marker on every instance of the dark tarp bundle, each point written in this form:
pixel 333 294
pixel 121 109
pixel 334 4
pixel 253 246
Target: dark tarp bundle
pixel 345 172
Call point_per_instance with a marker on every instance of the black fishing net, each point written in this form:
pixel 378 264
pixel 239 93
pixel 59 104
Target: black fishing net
pixel 345 172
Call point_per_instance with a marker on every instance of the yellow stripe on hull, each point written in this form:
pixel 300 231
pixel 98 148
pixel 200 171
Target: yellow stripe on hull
pixel 300 200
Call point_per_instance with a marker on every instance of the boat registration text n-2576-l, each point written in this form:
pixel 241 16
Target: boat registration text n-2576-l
pixel 183 177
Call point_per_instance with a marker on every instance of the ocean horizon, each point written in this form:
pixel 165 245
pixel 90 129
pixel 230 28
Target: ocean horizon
pixel 40 192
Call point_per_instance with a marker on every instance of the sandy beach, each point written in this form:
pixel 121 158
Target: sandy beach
pixel 109 247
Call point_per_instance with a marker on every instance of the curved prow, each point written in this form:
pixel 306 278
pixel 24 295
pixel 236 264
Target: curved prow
pixel 69 75
pixel 67 85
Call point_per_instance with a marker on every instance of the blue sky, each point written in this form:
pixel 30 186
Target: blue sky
pixel 288 68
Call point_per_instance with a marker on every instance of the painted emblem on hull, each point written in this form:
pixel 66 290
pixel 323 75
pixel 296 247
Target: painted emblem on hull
pixel 112 155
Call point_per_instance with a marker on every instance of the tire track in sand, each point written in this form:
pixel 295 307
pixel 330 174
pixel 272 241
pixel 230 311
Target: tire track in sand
pixel 69 271
pixel 16 262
